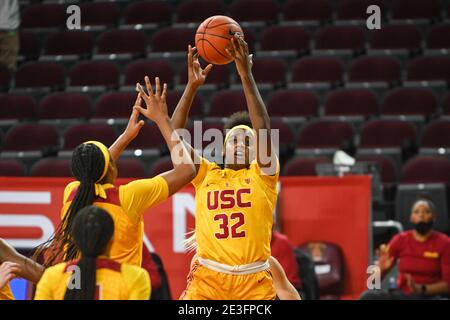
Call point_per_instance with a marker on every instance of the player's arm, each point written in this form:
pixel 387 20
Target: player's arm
pixel 284 289
pixel 131 132
pixel 259 117
pixel 140 286
pixel 28 269
pixel 184 170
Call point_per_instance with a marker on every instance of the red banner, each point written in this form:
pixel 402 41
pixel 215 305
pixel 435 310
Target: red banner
pixel 327 209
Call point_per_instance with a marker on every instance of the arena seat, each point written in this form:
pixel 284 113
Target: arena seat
pixel 226 102
pixel 340 37
pixel 300 166
pixel 33 15
pixel 16 107
pixel 39 75
pixel 375 69
pixel 80 133
pixel 410 101
pixel 199 10
pixel 429 69
pixel 115 105
pixel 436 135
pixel 328 134
pixel 137 12
pixel 161 165
pixel 137 70
pixel 351 102
pixel 11 168
pixel 130 168
pixel 317 69
pixel 63 105
pixel 69 43
pixel 254 10
pixel 196 111
pixel 30 137
pixel 293 103
pixel 48 167
pixel 307 10
pixel 94 73
pixel 388 169
pixel 100 15
pixel 387 134
pixel 284 38
pixel 437 37
pixel 415 9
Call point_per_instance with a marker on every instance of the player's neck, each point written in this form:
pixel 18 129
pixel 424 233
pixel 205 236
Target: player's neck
pixel 237 167
pixel 421 237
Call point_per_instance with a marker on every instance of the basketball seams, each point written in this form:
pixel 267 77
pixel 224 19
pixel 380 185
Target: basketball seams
pixel 214 48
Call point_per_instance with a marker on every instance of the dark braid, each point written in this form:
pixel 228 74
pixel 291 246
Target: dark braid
pixel 91 231
pixel 87 167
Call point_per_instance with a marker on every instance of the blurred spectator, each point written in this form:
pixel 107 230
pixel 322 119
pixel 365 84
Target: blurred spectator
pixel 283 251
pixel 423 255
pixel 9 33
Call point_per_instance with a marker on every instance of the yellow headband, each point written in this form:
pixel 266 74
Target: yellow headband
pixel 241 126
pixel 106 156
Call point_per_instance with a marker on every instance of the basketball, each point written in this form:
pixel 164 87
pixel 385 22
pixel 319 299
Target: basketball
pixel 213 36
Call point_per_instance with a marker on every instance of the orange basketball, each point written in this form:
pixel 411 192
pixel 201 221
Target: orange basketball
pixel 213 36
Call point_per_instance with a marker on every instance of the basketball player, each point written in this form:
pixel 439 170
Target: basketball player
pixel 234 205
pixel 100 278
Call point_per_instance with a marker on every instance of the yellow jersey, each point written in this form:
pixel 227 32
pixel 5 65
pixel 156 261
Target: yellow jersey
pixel 5 293
pixel 114 282
pixel 126 205
pixel 234 213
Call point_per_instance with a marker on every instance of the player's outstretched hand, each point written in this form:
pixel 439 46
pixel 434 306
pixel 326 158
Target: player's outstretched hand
pixel 196 75
pixel 155 101
pixel 384 259
pixel 239 51
pixel 134 126
pixel 8 271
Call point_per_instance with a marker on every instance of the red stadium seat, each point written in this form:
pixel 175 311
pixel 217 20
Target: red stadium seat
pixel 130 168
pixel 30 137
pixel 356 9
pixel 300 166
pixel 69 42
pixel 137 70
pixel 16 107
pixel 325 134
pixel 40 74
pixel 388 169
pixel 199 10
pixel 410 101
pixel 340 37
pixel 429 68
pixel 436 135
pixel 284 38
pixel 11 168
pixel 254 10
pixel 351 102
pixel 5 78
pixel 426 170
pixel 375 69
pixel 401 36
pixel 173 97
pixel 30 46
pixel 161 165
pixel 64 106
pixel 104 14
pixel 148 138
pixel 94 73
pixel 387 134
pixel 227 102
pixel 293 103
pixel 46 15
pixel 446 104
pixel 317 69
pixel 115 105
pixel 51 168
pixel 269 71
pixel 438 38
pixel 285 134
pixel 137 12
pixel 80 133
pixel 319 10
pixel 172 39
pixel 122 41
pixel 415 9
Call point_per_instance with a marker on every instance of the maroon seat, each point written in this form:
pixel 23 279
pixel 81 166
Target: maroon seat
pixel 415 9
pixel 426 170
pixel 227 102
pixel 11 168
pixel 302 166
pixel 329 259
pixel 254 10
pixel 351 102
pixel 43 16
pixel 219 75
pixel 173 97
pixel 446 104
pixel 340 37
pixel 81 133
pixel 388 169
pixel 122 41
pixel 356 9
pixel 269 71
pixel 438 38
pixel 137 70
pixel 51 168
pixel 148 138
pixel 64 106
pixel 137 12
pixel 319 10
pixel 429 68
pixel 396 37
pixel 172 39
pixel 69 42
pixel 374 69
pixel 387 134
pixel 40 74
pixel 410 101
pixel 317 69
pixel 115 105
pixel 99 14
pixel 16 107
pixel 30 137
pixel 199 10
pixel 325 134
pixel 160 166
pixel 30 45
pixel 94 73
pixel 284 38
pixel 5 78
pixel 130 168
pixel 436 135
pixel 293 103
pixel 285 134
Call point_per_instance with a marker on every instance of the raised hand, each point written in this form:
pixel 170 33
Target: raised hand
pixel 8 271
pixel 196 75
pixel 155 101
pixel 239 51
pixel 134 126
pixel 384 259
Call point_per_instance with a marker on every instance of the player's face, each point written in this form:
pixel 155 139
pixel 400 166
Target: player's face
pixel 239 150
pixel 421 212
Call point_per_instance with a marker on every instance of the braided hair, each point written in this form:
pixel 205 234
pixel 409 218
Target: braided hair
pixel 91 231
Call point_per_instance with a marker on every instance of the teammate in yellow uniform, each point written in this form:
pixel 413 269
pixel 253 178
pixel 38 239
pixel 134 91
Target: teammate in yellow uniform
pixel 13 264
pixel 94 276
pixel 234 205
pixel 93 165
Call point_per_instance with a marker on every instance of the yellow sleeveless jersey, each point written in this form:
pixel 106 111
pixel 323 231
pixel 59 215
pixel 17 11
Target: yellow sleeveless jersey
pixel 114 282
pixel 234 213
pixel 5 293
pixel 126 204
